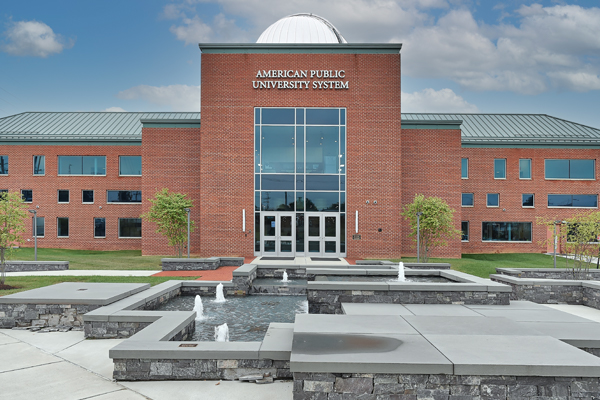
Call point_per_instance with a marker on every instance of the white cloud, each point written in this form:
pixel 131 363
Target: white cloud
pixel 114 109
pixel 33 38
pixel 177 97
pixel 436 101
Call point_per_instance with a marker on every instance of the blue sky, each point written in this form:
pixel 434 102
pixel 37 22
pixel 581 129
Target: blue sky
pixel 458 55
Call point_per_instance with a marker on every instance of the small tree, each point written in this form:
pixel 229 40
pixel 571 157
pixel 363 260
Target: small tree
pixel 436 223
pixel 580 238
pixel 12 223
pixel 169 215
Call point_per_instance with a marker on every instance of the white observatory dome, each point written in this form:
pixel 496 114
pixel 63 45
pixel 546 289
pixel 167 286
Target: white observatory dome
pixel 301 28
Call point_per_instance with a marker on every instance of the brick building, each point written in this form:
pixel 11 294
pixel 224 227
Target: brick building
pixel 302 150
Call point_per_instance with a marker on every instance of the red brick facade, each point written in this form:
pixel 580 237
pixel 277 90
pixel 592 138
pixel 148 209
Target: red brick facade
pixel 81 216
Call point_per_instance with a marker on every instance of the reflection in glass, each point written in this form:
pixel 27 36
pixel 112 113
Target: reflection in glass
pixel 322 116
pixel 286 246
pixel 257 231
pixel 277 116
pixel 323 182
pixel 342 233
pixel 528 200
pixel 314 226
pixel 269 246
pixel 277 201
pixel 525 168
pixel 322 149
pixel 464 167
pixel 286 225
pixel 582 169
pixel 300 150
pixel 322 201
pixel 277 149
pixel 493 200
pixel 464 227
pixel 314 247
pixel 467 199
pixel 330 226
pixel 506 231
pixel 500 168
pixel 277 182
pixel 269 225
pixel 329 247
pixel 300 232
pixel 557 169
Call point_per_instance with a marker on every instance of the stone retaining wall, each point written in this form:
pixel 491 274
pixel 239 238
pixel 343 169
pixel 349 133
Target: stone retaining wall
pixel 20 266
pixel 112 330
pixel 546 273
pixel 153 304
pixel 199 264
pixel 327 386
pixel 12 315
pixel 330 301
pixel 184 369
pixel 211 290
pixel 294 290
pixel 545 294
pixel 293 273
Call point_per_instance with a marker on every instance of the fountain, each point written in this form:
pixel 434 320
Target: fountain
pixel 220 296
pixel 199 308
pixel 222 333
pixel 401 277
pixel 285 277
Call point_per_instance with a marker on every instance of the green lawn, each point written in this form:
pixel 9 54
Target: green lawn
pixel 90 259
pixel 23 283
pixel 485 264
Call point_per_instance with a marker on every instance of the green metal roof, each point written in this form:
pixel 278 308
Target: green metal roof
pixel 515 129
pixel 82 126
pixel 478 130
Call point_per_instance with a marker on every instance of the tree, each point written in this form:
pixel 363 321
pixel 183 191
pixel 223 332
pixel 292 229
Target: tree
pixel 436 223
pixel 12 223
pixel 169 215
pixel 580 238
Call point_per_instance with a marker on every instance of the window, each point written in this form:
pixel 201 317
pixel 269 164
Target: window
pixel 464 227
pixel 87 196
pixel 130 165
pixel 467 200
pixel 527 200
pixel 39 165
pixel 2 191
pixel 493 200
pixel 27 195
pixel 3 165
pixel 40 226
pixel 62 227
pixel 123 196
pixel 81 165
pixel 130 227
pixel 464 168
pixel 500 168
pixel 525 168
pixel 573 200
pixel 63 196
pixel 506 231
pixel 570 169
pixel 99 227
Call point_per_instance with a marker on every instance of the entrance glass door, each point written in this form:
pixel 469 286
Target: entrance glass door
pixel 278 234
pixel 323 234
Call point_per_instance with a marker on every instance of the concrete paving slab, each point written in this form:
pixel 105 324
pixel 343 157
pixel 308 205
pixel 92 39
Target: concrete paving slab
pixel 358 324
pixel 92 355
pixel 514 305
pixel 590 313
pixel 76 293
pixel 585 334
pixel 441 310
pixel 374 309
pixel 515 355
pixel 6 339
pixel 458 325
pixel 50 342
pixel 16 356
pixel 121 394
pixel 547 315
pixel 60 380
pixel 277 343
pixel 355 353
pixel 211 390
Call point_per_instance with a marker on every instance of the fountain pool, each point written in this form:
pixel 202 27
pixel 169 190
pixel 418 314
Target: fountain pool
pixel 390 278
pixel 246 317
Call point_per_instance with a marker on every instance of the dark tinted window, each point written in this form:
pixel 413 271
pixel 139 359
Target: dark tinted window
pixel 39 165
pixel 277 182
pixel 464 227
pixel 506 231
pixel 570 169
pixel 493 200
pixel 525 168
pixel 322 201
pixel 130 227
pixel 500 168
pixel 277 201
pixel 572 200
pixel 467 199
pixel 464 166
pixel 3 165
pixel 99 227
pixel 62 227
pixel 124 196
pixel 40 226
pixel 87 196
pixel 322 182
pixel 528 200
pixel 82 165
pixel 27 195
pixel 63 196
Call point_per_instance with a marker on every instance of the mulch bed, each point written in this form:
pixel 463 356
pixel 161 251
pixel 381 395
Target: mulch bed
pixel 7 287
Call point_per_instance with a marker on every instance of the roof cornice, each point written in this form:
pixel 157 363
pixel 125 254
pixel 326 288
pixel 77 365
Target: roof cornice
pixel 300 48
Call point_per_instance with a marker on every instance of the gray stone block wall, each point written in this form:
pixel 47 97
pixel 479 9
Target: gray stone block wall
pixel 546 294
pixel 330 301
pixel 182 369
pixel 293 273
pixel 153 304
pixel 244 283
pixel 112 330
pixel 199 264
pixel 591 297
pixel 20 266
pixel 210 291
pixel 559 273
pixel 14 315
pixel 328 386
pixel 295 290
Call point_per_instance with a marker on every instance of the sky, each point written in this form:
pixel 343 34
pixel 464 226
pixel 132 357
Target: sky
pixel 458 56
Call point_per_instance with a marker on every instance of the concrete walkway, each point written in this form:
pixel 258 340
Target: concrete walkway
pixel 62 365
pixel 85 272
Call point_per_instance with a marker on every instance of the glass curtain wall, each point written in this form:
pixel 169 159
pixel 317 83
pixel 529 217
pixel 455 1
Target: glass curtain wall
pixel 300 165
